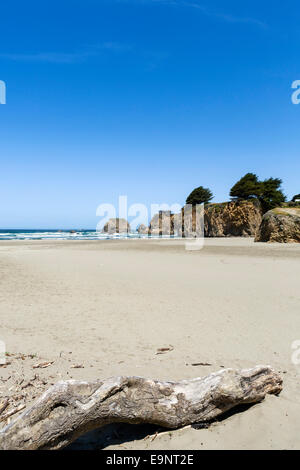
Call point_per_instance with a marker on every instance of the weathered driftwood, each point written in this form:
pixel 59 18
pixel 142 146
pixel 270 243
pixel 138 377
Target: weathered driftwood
pixel 70 409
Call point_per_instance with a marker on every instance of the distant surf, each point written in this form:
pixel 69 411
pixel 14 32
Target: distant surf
pixel 64 235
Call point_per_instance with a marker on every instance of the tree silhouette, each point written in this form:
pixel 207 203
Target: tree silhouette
pixel 268 192
pixel 246 188
pixel 199 196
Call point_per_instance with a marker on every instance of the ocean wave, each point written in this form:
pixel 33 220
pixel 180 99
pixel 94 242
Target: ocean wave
pixel 65 235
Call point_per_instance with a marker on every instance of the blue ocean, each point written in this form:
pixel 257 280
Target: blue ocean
pixel 7 234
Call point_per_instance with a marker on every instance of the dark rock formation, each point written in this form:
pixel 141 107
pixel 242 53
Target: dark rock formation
pixel 280 225
pixel 232 219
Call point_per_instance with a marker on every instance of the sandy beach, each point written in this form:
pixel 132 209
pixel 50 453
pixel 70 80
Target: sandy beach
pixel 108 307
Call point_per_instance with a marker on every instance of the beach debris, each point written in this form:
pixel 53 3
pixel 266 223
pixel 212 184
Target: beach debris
pixel 7 363
pixel 27 384
pixel 42 365
pixel 70 408
pixel 165 350
pixel 12 412
pixel 77 366
pixel 4 405
pixel 204 364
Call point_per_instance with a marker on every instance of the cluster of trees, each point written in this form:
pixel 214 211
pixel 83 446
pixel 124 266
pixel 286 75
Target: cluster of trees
pixel 268 192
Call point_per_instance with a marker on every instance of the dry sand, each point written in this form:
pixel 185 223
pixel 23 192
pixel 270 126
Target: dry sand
pixel 109 305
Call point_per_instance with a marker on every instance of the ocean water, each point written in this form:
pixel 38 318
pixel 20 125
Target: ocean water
pixel 63 235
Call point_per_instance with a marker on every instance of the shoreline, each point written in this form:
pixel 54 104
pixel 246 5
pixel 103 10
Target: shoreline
pixel 231 246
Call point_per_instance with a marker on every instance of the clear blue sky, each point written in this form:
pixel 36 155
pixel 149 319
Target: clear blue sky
pixel 148 98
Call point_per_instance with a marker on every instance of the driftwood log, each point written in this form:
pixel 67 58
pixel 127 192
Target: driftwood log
pixel 69 409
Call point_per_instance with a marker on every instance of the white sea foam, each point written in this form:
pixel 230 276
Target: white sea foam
pixel 65 235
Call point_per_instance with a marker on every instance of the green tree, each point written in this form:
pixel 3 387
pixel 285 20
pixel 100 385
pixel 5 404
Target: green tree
pixel 296 197
pixel 246 188
pixel 199 196
pixel 268 192
pixel 271 194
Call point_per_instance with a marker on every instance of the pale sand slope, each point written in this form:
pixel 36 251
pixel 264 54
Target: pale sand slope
pixel 114 303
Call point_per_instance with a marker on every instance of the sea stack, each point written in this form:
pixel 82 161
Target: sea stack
pixel 116 226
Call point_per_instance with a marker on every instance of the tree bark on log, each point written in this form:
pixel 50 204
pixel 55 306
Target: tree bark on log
pixel 69 409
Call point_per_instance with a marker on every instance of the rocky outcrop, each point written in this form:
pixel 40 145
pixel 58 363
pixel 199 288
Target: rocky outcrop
pixel 162 223
pixel 232 219
pixel 189 223
pixel 280 225
pixel 142 229
pixel 116 226
pixel 228 219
